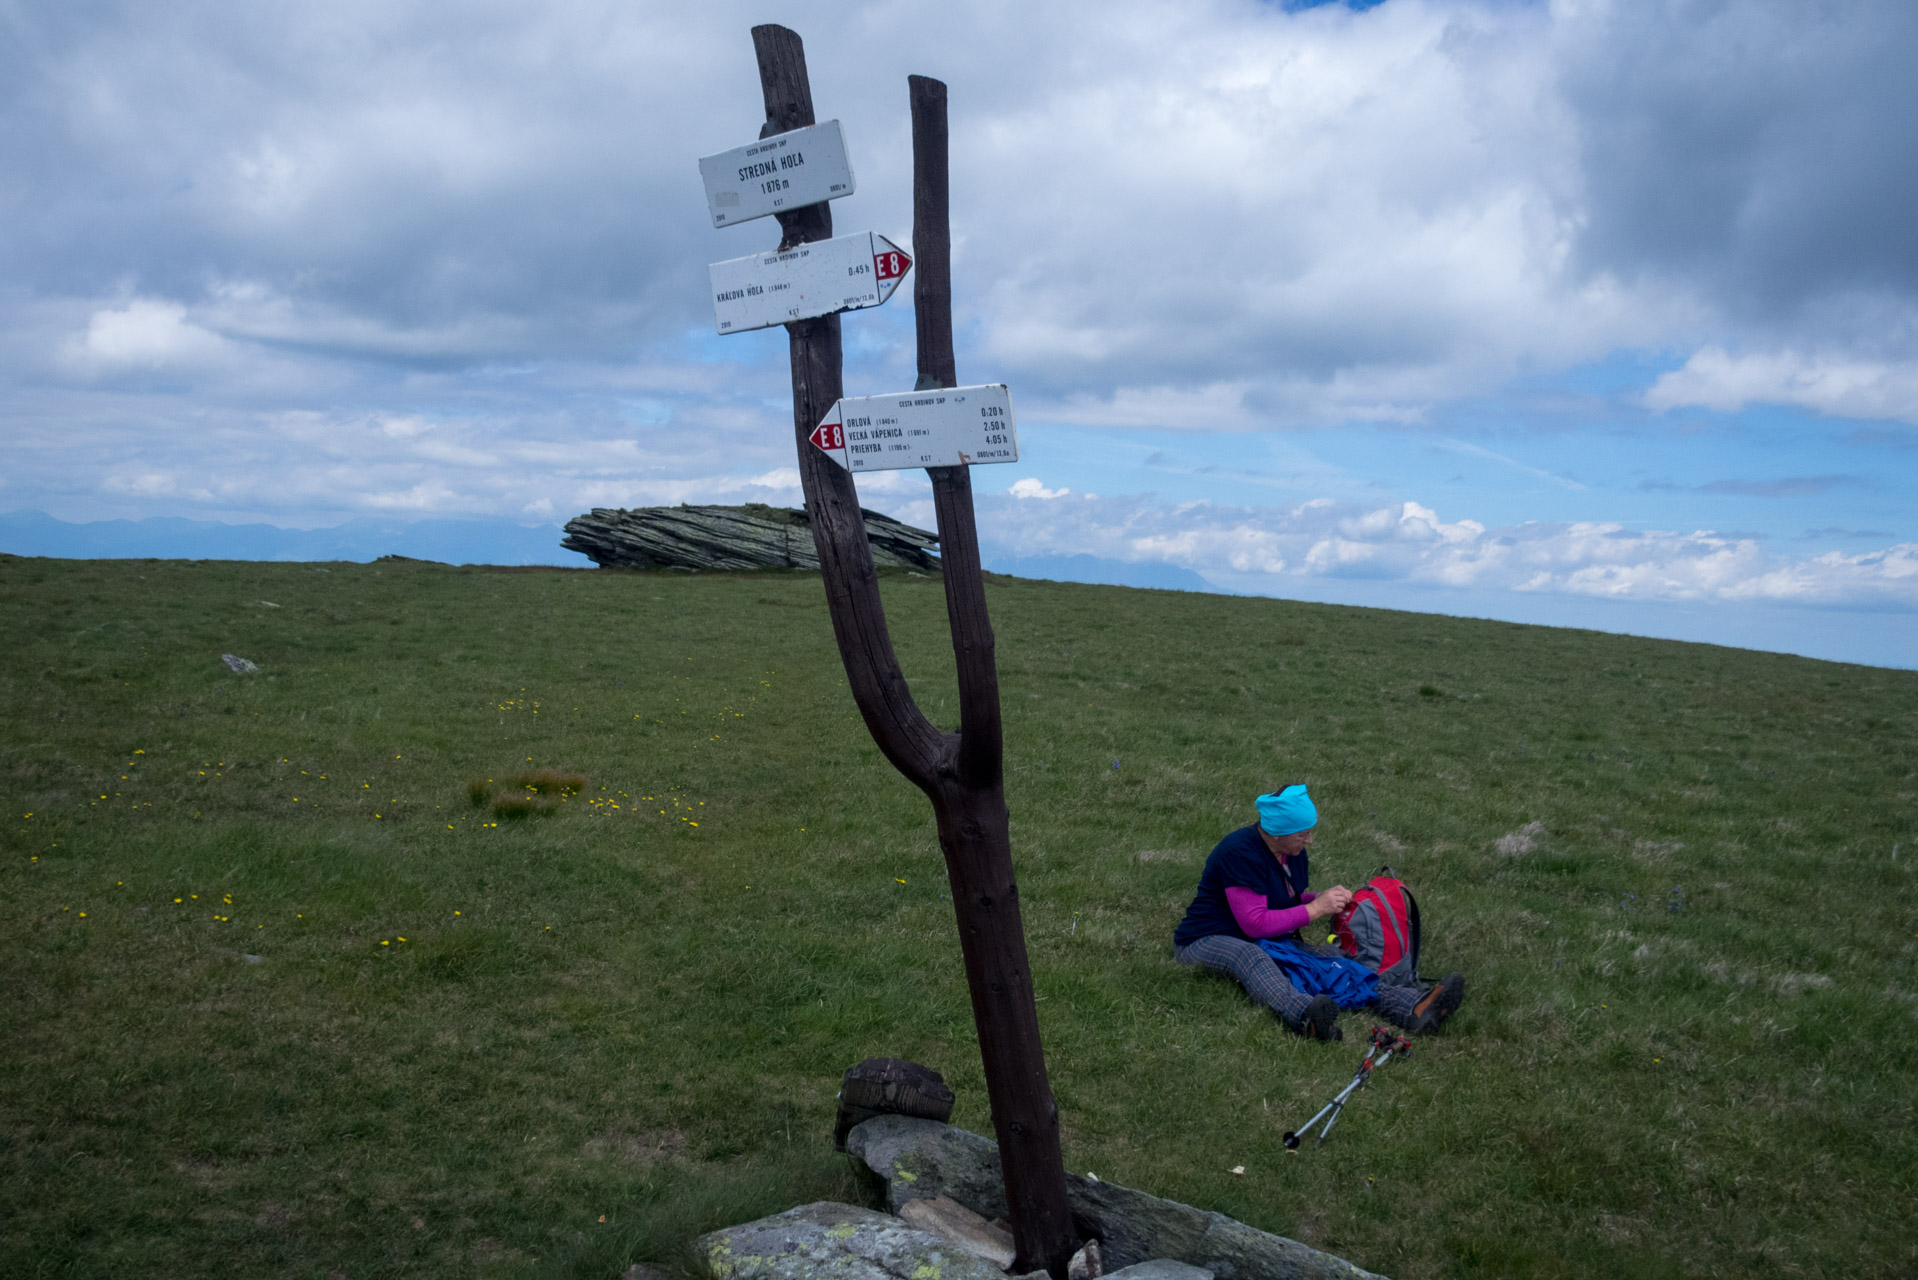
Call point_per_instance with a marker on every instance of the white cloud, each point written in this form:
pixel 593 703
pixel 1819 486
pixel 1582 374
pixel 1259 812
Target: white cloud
pixel 1302 218
pixel 404 427
pixel 146 484
pixel 453 455
pixel 143 335
pixel 1888 575
pixel 1835 385
pixel 784 479
pixel 425 497
pixel 1407 542
pixel 1032 488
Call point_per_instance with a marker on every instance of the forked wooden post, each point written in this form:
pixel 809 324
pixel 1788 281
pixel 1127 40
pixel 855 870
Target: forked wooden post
pixel 961 773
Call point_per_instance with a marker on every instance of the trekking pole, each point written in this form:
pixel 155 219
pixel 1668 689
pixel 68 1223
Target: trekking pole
pixel 1384 1045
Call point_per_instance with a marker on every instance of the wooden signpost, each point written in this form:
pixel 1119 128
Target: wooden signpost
pixel 961 773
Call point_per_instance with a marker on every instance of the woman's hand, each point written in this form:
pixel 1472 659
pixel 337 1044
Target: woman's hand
pixel 1329 903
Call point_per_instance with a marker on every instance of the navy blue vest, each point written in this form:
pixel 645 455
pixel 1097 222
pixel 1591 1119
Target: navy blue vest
pixel 1241 861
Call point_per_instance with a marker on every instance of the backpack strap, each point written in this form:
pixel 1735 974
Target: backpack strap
pixel 1407 945
pixel 1412 911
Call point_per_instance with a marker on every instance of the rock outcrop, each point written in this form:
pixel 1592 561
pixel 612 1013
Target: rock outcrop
pixel 749 537
pixel 917 1159
pixel 827 1241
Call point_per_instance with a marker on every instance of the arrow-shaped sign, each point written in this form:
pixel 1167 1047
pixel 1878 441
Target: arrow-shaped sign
pixel 953 426
pixel 815 279
pixel 777 174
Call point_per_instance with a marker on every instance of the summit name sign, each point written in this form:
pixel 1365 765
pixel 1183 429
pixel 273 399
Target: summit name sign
pixel 950 427
pixel 778 174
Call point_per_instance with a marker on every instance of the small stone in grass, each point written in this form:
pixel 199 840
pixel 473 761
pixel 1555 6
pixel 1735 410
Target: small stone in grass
pixel 1524 840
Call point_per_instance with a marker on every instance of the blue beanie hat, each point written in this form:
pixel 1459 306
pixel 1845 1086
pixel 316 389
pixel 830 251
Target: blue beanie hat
pixel 1288 812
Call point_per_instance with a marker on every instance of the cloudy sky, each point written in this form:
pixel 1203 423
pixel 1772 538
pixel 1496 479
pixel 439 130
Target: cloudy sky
pixel 1582 312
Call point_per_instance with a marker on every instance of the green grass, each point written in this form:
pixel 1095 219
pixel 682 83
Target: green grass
pixel 638 1004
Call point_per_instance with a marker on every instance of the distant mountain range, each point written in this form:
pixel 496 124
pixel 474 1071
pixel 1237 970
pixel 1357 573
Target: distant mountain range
pixel 1841 635
pixel 35 533
pixel 1111 573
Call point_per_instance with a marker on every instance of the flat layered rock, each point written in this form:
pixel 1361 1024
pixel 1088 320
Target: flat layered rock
pixel 919 1159
pixel 827 1241
pixel 749 537
pixel 946 1218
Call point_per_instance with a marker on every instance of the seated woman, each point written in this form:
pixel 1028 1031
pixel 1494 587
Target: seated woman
pixel 1253 887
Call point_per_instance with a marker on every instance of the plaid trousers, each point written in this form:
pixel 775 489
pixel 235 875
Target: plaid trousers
pixel 1265 982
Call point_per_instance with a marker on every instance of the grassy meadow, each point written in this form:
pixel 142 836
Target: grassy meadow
pixel 333 969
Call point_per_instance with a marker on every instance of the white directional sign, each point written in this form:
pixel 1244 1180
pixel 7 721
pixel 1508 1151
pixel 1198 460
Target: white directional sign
pixel 778 174
pixel 816 279
pixel 954 426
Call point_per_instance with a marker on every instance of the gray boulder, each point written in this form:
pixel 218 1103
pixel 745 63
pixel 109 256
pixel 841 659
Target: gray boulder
pixel 1159 1269
pixel 918 1159
pixel 827 1241
pixel 1233 1251
pixel 754 536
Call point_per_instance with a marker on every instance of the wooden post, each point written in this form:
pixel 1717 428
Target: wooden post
pixel 970 802
pixel 963 773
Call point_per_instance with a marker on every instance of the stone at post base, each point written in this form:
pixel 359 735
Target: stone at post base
pixel 1088 1263
pixel 946 1218
pixel 827 1241
pixel 889 1087
pixel 1159 1269
pixel 917 1159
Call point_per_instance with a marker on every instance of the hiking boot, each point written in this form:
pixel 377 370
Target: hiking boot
pixel 1438 1004
pixel 1320 1021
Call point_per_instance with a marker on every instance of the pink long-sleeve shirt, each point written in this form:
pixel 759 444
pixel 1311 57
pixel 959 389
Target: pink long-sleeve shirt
pixel 1260 921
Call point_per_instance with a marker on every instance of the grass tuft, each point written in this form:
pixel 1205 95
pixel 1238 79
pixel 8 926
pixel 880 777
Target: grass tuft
pixel 551 782
pixel 538 791
pixel 514 807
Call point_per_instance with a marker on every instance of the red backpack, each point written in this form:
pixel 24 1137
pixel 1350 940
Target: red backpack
pixel 1380 929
